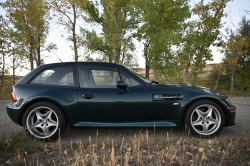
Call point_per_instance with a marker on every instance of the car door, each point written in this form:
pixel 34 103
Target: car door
pixel 100 99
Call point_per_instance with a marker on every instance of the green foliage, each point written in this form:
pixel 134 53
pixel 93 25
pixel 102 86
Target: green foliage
pixel 116 18
pixel 237 54
pixel 30 20
pixel 162 22
pixel 19 141
pixel 200 35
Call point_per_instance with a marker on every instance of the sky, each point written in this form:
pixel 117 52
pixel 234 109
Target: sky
pixel 235 10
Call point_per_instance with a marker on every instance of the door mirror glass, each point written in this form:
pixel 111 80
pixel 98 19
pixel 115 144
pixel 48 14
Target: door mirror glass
pixel 121 85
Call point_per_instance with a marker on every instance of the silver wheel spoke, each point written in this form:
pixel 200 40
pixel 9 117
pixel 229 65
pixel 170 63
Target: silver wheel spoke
pixel 52 123
pixel 212 121
pixel 198 123
pixel 36 124
pixel 200 113
pixel 45 130
pixel 205 127
pixel 209 112
pixel 38 115
pixel 48 114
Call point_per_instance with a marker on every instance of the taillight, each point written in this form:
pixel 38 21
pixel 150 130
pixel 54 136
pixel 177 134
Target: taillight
pixel 13 97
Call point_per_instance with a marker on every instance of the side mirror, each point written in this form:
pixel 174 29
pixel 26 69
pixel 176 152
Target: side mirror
pixel 122 85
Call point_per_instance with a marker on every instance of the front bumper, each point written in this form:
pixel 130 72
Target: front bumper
pixel 230 117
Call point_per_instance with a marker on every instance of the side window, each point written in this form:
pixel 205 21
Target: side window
pixel 129 80
pixel 64 76
pixel 98 77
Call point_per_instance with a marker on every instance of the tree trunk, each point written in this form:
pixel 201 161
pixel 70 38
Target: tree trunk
pixel 31 54
pixel 146 58
pixel 186 72
pixel 232 79
pixel 13 73
pixel 38 63
pixel 117 35
pixel 74 33
pixel 3 68
pixel 155 76
pixel 147 70
pixel 195 79
pixel 217 81
pixel 31 62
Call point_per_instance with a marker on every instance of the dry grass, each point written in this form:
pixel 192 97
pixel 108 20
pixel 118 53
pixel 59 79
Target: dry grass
pixel 142 149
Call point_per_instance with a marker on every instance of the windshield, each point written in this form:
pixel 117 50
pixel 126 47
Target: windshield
pixel 137 74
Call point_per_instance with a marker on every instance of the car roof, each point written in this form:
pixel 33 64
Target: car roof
pixel 38 69
pixel 79 63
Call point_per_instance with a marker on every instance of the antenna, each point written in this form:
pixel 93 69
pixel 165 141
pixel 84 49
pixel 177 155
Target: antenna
pixel 57 56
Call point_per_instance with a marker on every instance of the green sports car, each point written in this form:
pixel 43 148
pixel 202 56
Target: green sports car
pixel 96 94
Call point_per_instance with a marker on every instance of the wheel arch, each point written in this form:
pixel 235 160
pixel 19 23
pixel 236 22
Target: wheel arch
pixel 39 100
pixel 203 98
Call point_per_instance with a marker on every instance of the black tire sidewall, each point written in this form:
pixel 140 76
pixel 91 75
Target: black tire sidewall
pixel 61 118
pixel 191 109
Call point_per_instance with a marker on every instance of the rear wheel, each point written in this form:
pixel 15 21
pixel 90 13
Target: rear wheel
pixel 43 120
pixel 204 118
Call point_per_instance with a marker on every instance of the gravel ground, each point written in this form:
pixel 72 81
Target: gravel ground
pixel 118 134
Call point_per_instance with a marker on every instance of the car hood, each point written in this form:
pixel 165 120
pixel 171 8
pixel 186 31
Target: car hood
pixel 173 84
pixel 184 89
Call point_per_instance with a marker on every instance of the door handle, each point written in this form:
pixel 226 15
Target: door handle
pixel 88 96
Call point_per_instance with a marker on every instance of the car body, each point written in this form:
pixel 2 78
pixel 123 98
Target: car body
pixel 98 94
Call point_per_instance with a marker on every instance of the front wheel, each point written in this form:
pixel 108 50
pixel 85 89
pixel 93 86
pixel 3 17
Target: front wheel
pixel 204 118
pixel 43 120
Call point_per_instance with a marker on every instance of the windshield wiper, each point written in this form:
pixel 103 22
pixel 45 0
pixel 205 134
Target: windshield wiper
pixel 153 82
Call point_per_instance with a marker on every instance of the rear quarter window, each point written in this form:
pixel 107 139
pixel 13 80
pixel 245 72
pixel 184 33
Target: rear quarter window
pixel 61 76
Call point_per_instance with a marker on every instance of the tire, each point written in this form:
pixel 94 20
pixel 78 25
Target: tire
pixel 204 118
pixel 43 120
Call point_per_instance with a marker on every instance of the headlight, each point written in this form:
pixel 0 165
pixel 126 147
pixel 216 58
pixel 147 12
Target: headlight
pixel 228 101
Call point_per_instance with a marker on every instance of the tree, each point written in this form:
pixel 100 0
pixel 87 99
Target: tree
pixel 17 53
pixel 4 47
pixel 200 35
pixel 116 18
pixel 67 13
pixel 30 18
pixel 162 21
pixel 234 49
pixel 218 70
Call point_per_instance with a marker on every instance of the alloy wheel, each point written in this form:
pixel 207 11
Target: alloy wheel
pixel 205 119
pixel 42 122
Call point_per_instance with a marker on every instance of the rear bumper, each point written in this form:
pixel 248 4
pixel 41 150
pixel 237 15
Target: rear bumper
pixel 14 111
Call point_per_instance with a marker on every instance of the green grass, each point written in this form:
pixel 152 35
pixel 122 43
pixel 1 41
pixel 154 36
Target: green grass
pixel 6 94
pixel 6 90
pixel 19 140
pixel 236 93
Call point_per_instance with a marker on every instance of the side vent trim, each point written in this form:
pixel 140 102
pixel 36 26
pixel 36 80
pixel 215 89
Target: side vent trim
pixel 169 97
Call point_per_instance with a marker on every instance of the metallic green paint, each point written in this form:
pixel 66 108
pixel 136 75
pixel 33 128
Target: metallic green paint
pixel 56 94
pixel 112 107
pixel 111 104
